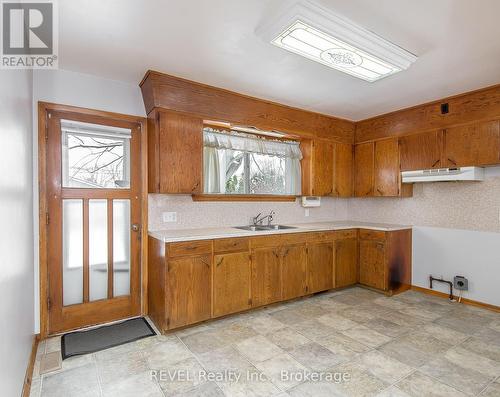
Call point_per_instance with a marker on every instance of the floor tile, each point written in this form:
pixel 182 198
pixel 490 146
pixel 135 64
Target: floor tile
pixel 358 315
pixel 254 384
pixel 287 338
pixel 493 390
pixel 181 377
pixel 258 349
pixel 289 316
pixel 367 336
pixel 418 384
pixel 81 381
pixel 473 361
pixel 314 328
pixel 140 384
pixel 50 362
pixel 482 348
pixel 264 324
pixel 384 367
pixel 337 321
pixel 165 353
pixel 387 327
pixel 393 391
pixel 207 389
pixel 282 370
pixel 362 383
pixel 406 353
pixel 113 369
pixel 53 344
pixel 225 359
pixel 315 389
pixel 444 334
pixel 425 315
pixel 316 357
pixel 463 322
pixel 234 333
pixel 204 341
pixel 336 341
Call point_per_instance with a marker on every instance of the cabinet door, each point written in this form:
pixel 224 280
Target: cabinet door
pixel 473 144
pixel 294 271
pixel 364 169
pixel 319 266
pixel 180 153
pixel 372 264
pixel 346 262
pixel 188 290
pixel 387 168
pixel 266 276
pixel 231 283
pixel 322 157
pixel 343 170
pixel 421 151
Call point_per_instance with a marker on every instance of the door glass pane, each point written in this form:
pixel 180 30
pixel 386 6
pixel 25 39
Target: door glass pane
pixel 72 229
pixel 121 247
pixel 98 249
pixel 95 156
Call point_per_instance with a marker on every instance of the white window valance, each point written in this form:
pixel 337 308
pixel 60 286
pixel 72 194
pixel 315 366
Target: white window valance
pixel 246 143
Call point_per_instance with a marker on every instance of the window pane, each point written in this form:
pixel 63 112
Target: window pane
pixel 121 247
pixel 72 251
pixel 95 161
pixel 98 249
pixel 234 165
pixel 267 174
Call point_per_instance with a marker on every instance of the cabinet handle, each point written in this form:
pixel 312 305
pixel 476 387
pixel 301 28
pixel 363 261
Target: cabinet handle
pixel 380 192
pixel 436 163
pixel 276 254
pixel 380 246
pixel 205 262
pixel 451 161
pixel 195 186
pixel 286 252
pixel 220 262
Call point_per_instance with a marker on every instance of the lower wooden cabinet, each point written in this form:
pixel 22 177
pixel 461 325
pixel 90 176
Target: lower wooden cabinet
pixel 293 270
pixel 231 283
pixel 266 276
pixel 372 269
pixel 320 266
pixel 188 289
pixel 346 262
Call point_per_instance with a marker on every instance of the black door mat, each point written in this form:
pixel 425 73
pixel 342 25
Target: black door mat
pixel 96 339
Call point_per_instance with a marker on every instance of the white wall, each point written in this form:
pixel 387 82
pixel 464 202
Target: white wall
pixel 16 233
pixel 76 89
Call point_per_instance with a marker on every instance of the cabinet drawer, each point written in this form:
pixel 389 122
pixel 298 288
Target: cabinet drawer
pixel 231 245
pixel 366 234
pixel 342 234
pixel 265 241
pixel 321 236
pixel 294 238
pixel 189 248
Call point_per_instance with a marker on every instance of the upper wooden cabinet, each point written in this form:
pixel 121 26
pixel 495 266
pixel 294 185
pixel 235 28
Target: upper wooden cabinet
pixel 377 171
pixel 175 151
pixel 473 144
pixel 421 151
pixel 327 168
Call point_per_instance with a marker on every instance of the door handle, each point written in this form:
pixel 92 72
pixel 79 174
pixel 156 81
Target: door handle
pixel 136 227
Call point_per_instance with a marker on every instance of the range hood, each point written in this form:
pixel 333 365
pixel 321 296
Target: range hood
pixel 444 174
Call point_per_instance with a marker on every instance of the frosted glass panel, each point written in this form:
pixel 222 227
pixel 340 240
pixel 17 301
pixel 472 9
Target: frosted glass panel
pixel 121 247
pixel 72 252
pixel 98 249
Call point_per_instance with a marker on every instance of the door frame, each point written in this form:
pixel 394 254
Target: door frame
pixel 43 109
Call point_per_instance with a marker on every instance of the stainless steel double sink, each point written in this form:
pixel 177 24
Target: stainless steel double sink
pixel 262 228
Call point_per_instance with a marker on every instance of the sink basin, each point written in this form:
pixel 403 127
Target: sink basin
pixel 261 228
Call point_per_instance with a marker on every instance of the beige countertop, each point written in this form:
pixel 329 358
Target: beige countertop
pixel 171 236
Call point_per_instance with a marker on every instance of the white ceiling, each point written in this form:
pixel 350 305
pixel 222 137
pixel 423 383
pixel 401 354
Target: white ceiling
pixel 214 42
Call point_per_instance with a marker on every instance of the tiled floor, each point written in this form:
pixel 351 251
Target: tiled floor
pixel 357 342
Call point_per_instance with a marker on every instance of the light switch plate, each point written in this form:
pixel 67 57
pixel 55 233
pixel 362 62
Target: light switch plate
pixel 169 216
pixel 306 212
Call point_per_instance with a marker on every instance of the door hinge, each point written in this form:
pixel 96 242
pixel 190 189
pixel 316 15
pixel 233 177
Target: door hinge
pixel 47 219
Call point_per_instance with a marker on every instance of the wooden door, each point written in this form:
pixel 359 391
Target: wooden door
pixel 266 276
pixel 319 266
pixel 179 139
pixel 188 290
pixel 387 174
pixel 294 274
pixel 322 158
pixel 93 197
pixel 343 170
pixel 372 268
pixel 421 151
pixel 364 169
pixel 473 144
pixel 231 283
pixel 346 262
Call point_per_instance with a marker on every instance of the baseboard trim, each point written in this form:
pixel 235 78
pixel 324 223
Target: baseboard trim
pixel 31 364
pixel 465 301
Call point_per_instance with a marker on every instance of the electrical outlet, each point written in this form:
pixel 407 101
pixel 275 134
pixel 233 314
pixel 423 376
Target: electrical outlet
pixel 461 283
pixel 169 216
pixel 306 212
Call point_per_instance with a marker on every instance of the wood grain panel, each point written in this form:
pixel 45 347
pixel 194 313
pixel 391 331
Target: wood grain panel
pixel 399 260
pixel 483 104
pixel 207 102
pixel 343 169
pixel 372 265
pixel 231 283
pixel 421 151
pixel 473 144
pixel 266 276
pixel 294 260
pixel 231 245
pixel 364 169
pixel 387 174
pixel 186 248
pixel 156 282
pixel 346 262
pixel 319 266
pixel 322 168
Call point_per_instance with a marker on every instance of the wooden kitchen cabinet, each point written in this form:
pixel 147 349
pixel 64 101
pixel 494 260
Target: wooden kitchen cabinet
pixel 385 260
pixel 231 283
pixel 476 144
pixel 319 266
pixel 175 153
pixel 266 275
pixel 294 271
pixel 346 260
pixel 377 170
pixel 322 168
pixel 343 183
pixel 421 151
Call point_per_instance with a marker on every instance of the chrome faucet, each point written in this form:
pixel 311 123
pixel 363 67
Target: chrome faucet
pixel 257 220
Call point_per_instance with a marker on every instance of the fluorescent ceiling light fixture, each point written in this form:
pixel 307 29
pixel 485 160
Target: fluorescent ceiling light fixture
pixel 316 33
